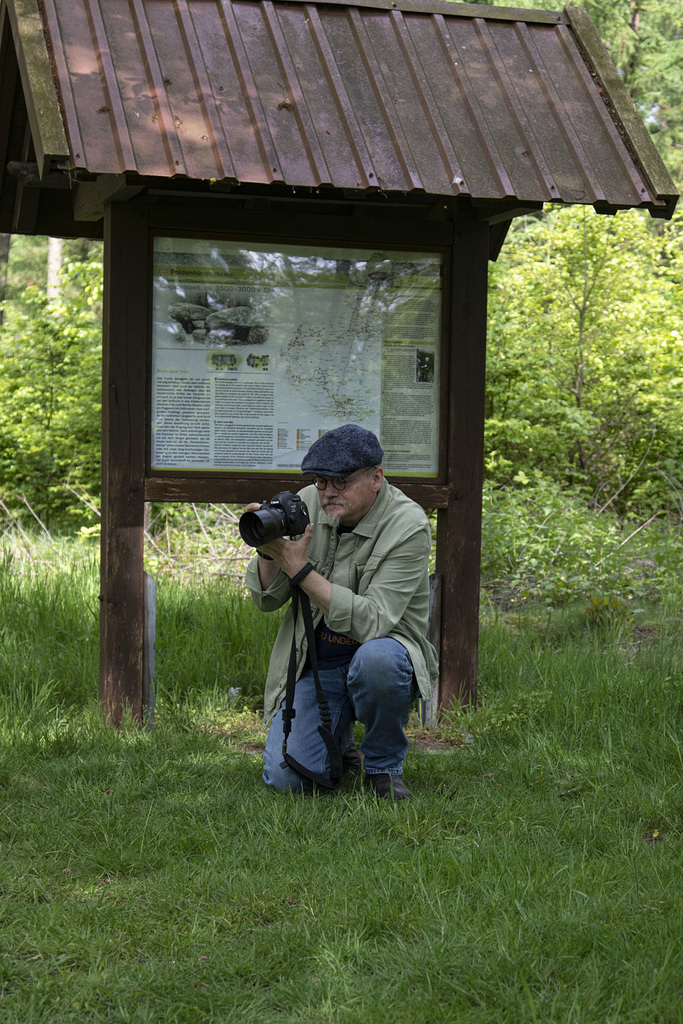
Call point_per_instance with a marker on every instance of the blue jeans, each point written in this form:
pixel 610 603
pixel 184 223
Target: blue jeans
pixel 376 688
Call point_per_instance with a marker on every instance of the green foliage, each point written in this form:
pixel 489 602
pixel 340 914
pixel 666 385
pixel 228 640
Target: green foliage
pixel 540 542
pixel 584 379
pixel 610 612
pixel 211 642
pixel 192 542
pixel 645 40
pixel 50 386
pixel 501 716
pixel 49 633
pixel 27 266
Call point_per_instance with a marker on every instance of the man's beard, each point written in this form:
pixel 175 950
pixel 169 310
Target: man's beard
pixel 333 518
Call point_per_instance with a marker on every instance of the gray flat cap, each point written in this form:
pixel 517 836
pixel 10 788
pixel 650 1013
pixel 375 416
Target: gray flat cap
pixel 342 451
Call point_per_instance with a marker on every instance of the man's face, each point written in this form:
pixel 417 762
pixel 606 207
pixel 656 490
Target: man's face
pixel 350 503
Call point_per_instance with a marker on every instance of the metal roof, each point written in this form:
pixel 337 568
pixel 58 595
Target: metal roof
pixel 418 97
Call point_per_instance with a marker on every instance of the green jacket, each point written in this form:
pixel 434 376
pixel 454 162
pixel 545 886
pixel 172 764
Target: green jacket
pixel 380 586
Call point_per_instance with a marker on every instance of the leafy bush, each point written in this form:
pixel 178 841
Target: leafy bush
pixel 540 542
pixel 50 387
pixel 585 339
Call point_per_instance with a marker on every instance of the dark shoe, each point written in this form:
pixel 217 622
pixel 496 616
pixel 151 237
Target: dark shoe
pixel 351 764
pixel 387 786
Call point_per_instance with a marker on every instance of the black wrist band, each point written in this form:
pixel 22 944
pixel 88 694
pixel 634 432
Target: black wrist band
pixel 301 575
pixel 266 557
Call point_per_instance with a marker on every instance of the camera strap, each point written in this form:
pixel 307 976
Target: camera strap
pixel 301 600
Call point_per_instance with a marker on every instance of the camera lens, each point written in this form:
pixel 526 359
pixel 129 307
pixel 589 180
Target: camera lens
pixel 259 527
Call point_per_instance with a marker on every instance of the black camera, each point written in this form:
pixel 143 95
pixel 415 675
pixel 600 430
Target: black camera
pixel 285 515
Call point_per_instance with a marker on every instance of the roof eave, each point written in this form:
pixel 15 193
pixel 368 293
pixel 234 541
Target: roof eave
pixel 35 69
pixel 623 108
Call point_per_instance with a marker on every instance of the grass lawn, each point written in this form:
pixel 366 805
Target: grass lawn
pixel 535 876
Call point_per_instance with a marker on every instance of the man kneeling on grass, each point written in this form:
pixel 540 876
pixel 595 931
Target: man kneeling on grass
pixel 363 562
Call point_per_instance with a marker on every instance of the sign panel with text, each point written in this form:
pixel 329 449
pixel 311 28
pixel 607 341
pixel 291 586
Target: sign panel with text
pixel 258 349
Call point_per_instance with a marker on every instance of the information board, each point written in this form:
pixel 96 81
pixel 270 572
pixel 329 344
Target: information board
pixel 257 350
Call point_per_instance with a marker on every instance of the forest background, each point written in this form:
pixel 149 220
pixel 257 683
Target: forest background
pixel 584 406
pixel 147 875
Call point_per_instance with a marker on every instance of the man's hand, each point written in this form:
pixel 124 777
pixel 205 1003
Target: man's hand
pixel 291 556
pixel 288 555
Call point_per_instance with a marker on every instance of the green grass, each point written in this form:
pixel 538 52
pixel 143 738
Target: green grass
pixel 149 876
pixel 209 638
pixel 49 616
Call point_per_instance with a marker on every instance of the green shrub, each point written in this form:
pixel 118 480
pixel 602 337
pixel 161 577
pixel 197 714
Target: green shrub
pixel 540 542
pixel 50 386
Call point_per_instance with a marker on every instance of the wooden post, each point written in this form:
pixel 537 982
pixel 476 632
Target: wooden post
pixel 124 364
pixel 150 647
pixel 458 556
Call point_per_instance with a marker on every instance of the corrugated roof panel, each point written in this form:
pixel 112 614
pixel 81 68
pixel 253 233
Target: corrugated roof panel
pixel 374 122
pixel 399 129
pixel 584 109
pixel 425 63
pixel 339 126
pixel 481 165
pixel 240 114
pixel 524 92
pixel 491 85
pixel 298 159
pixel 435 162
pixel 300 99
pixel 166 102
pixel 568 166
pixel 439 98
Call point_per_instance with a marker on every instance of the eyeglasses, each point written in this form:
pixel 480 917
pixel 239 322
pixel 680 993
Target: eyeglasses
pixel 338 482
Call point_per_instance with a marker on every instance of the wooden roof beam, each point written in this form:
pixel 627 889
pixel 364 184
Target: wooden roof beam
pixel 35 69
pixel 92 196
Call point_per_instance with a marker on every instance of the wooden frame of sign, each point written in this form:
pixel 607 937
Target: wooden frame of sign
pixel 128 481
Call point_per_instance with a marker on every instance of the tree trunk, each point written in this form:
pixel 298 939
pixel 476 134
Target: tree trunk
pixel 55 248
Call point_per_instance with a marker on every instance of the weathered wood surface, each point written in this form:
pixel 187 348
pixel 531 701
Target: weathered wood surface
pixel 458 556
pixel 33 57
pixel 124 363
pixel 240 490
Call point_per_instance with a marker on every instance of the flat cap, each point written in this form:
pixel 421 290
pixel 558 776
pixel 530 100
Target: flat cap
pixel 342 451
